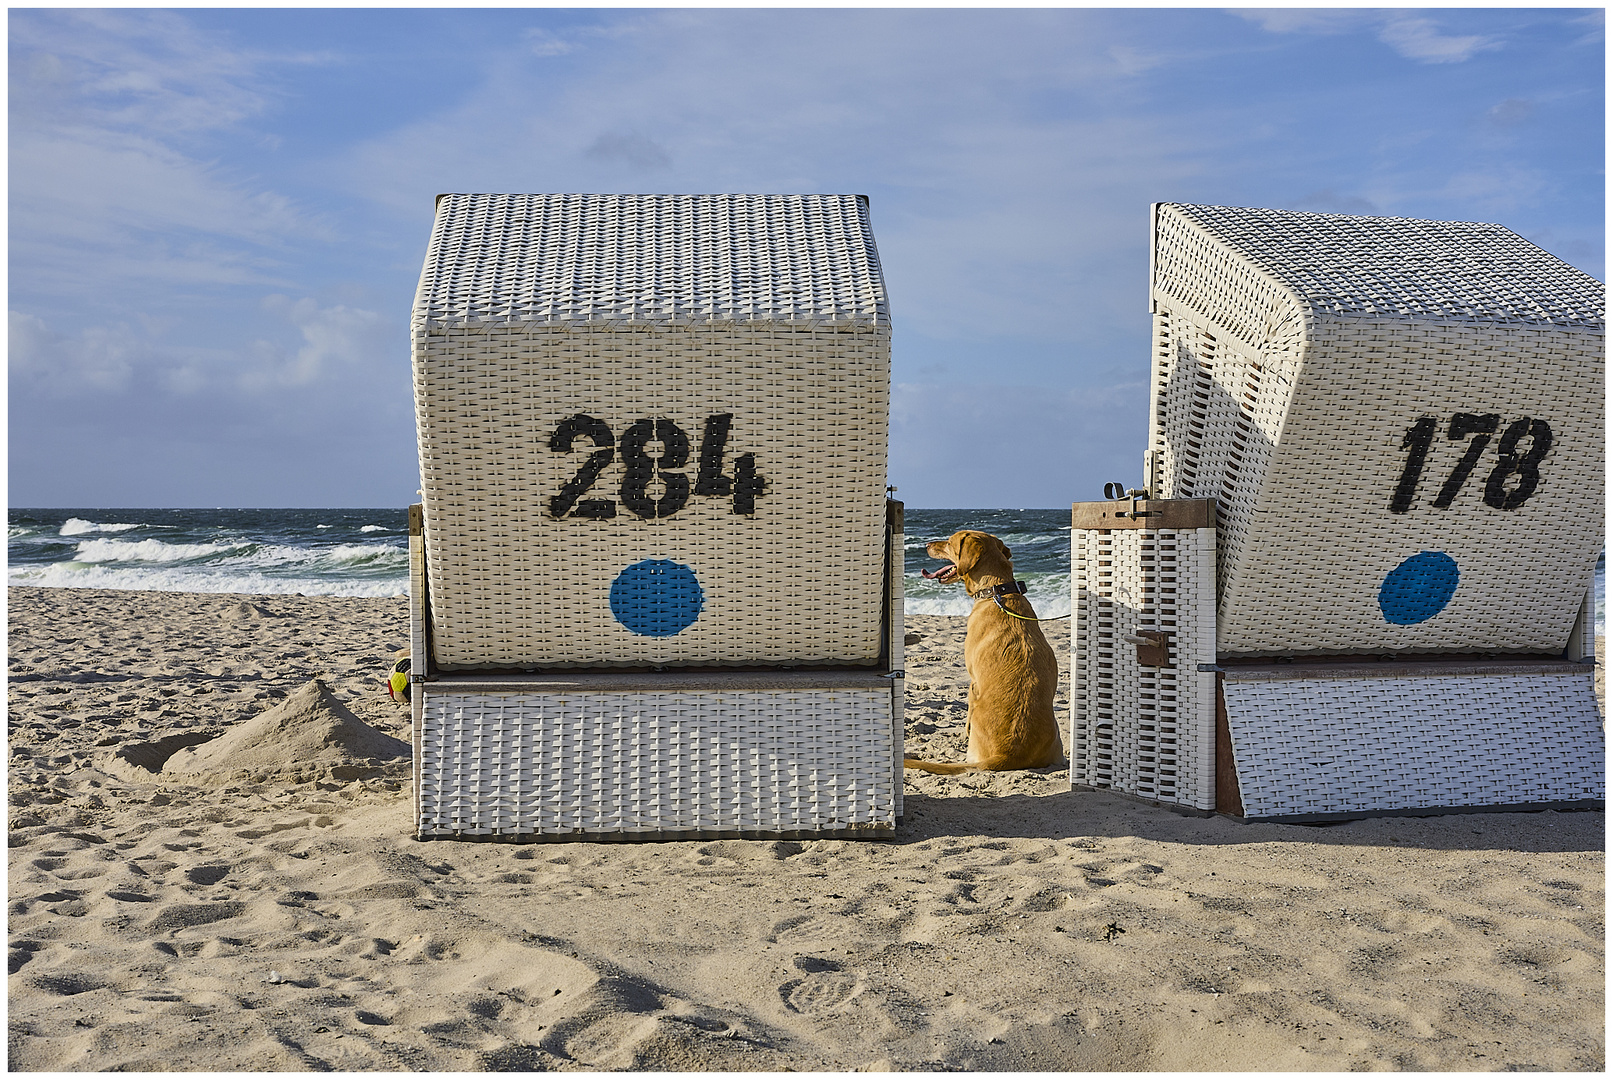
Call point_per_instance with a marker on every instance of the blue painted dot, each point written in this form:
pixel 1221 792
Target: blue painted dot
pixel 1418 589
pixel 656 597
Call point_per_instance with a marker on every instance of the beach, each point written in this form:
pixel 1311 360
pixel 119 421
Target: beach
pixel 285 918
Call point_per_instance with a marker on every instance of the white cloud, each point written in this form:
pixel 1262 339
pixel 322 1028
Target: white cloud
pixel 100 360
pixel 1133 61
pixel 540 42
pixel 1411 36
pixel 1511 112
pixel 1420 39
pixel 1593 24
pixel 144 70
pixel 111 183
pixel 307 345
pixel 1304 20
pixel 84 185
pixel 336 341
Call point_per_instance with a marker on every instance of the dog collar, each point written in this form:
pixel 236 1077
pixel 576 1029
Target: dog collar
pixel 999 590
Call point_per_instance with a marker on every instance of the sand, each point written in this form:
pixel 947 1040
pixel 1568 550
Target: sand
pixel 279 918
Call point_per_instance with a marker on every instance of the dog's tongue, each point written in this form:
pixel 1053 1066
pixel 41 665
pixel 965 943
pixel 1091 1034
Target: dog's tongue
pixel 943 575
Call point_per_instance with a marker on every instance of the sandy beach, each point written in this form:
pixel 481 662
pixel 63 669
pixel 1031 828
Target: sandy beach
pixel 284 918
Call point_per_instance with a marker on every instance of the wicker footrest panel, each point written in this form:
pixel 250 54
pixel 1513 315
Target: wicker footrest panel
pixel 688 763
pixel 1330 746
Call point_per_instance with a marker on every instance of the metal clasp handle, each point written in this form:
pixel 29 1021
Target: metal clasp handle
pixel 1153 647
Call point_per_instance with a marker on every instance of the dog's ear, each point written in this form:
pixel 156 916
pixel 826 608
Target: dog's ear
pixel 968 551
pixel 1002 547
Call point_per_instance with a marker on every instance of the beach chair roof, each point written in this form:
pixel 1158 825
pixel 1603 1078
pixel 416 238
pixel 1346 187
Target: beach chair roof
pixel 1344 265
pixel 630 261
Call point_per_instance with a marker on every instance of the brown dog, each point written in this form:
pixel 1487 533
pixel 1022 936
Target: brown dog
pixel 1013 673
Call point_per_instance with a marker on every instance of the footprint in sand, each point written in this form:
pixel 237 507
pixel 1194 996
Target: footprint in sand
pixel 749 850
pixel 22 951
pixel 67 984
pixel 207 875
pixel 181 916
pixel 824 987
pixel 129 897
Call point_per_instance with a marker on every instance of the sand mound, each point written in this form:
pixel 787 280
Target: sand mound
pixel 309 735
pixel 144 760
pixel 248 612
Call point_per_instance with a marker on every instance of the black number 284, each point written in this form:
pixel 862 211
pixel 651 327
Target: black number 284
pixel 641 468
pixel 1479 428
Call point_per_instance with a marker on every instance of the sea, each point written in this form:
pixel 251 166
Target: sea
pixel 357 552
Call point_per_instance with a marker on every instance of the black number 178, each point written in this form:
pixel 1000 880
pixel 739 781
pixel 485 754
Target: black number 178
pixel 1480 428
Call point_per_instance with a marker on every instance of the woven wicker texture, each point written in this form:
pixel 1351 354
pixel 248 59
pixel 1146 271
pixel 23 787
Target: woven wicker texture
pixel 686 762
pixel 1358 391
pixel 695 382
pixel 653 260
pixel 1143 730
pixel 1346 265
pixel 896 639
pixel 1582 642
pixel 1332 746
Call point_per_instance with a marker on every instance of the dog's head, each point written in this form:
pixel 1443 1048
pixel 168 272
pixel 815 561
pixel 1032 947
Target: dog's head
pixel 971 554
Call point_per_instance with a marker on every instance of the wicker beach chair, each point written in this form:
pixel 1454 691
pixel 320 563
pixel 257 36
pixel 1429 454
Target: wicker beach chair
pixel 655 589
pixel 1400 425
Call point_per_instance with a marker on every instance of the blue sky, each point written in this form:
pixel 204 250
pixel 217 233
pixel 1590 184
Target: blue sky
pixel 217 217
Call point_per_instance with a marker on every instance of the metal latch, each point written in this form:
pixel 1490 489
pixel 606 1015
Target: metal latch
pixel 1136 495
pixel 1153 647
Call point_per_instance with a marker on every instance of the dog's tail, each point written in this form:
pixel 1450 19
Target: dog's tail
pixel 945 768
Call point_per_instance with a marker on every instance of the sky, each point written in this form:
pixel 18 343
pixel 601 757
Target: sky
pixel 218 217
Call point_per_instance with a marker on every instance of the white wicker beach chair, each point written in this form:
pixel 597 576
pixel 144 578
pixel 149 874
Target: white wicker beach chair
pixel 655 580
pixel 1401 423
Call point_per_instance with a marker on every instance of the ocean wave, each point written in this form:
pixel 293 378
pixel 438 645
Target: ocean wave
pixel 78 527
pixel 356 556
pixel 1015 541
pixel 1049 594
pixel 375 528
pixel 242 553
pixel 152 551
pixel 1032 539
pixel 75 575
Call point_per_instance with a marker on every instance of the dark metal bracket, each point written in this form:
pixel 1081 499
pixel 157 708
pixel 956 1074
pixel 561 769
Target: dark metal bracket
pixel 1153 647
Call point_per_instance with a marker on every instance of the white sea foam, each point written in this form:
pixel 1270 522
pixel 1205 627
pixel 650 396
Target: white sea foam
pixel 1049 594
pixel 917 542
pixel 78 527
pixel 351 556
pixel 1027 539
pixel 232 564
pixel 149 551
pixel 375 528
pixel 75 575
